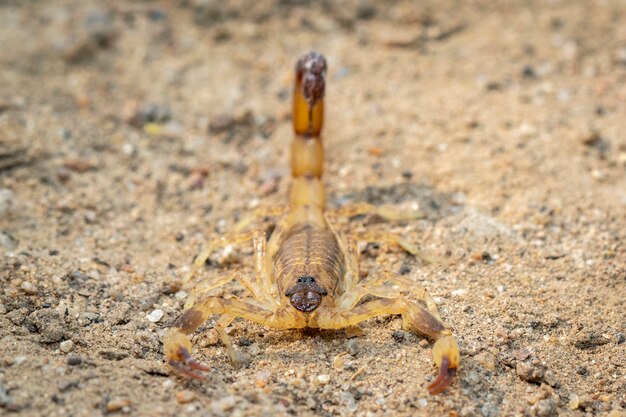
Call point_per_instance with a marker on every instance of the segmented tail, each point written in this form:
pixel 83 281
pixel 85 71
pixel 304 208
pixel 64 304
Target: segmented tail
pixel 307 152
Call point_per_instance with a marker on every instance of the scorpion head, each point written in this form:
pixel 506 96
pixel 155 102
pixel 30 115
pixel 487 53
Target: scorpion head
pixel 306 294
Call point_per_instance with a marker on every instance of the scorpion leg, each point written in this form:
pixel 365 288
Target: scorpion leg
pixel 392 238
pixel 217 243
pixel 266 211
pixel 387 213
pixel 350 280
pixel 177 345
pixel 374 285
pixel 403 282
pixel 256 285
pixel 445 350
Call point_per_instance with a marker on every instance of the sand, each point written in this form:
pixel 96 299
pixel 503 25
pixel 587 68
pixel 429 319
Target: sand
pixel 133 132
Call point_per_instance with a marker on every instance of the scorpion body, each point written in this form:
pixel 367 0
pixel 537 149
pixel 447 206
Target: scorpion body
pixel 307 273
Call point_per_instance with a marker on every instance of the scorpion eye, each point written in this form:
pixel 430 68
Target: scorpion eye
pixel 306 301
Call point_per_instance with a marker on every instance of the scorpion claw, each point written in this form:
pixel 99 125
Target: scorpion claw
pixel 446 374
pixel 188 365
pixel 446 356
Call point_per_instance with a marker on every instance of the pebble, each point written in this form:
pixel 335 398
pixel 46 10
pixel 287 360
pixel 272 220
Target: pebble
pixel 550 379
pixel 224 404
pixel 6 401
pixel 128 149
pixel 155 316
pixel 544 408
pixel 119 314
pixel 228 256
pixel 574 401
pixel 66 346
pixel 353 347
pixel 521 354
pixel 29 288
pixel 323 379
pixel 185 396
pixel 118 404
pixel 74 360
pixel 7 242
pixel 254 349
pixel 459 292
pixel 139 116
pixel 6 200
pixel 49 324
pixel 530 373
pixel 338 362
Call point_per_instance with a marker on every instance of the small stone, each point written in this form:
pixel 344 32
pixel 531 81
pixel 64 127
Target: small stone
pixel 339 361
pixel 502 332
pixel 550 379
pixel 66 346
pixel 458 292
pixel 269 186
pixel 155 316
pixel 323 379
pixel 128 149
pixel 545 408
pixel 7 242
pixel 117 404
pixel 6 200
pixel 487 360
pixel 119 314
pixel 262 378
pixel 352 347
pixel 530 373
pixel 185 396
pixel 591 341
pixel 398 336
pixel 49 324
pixel 210 338
pixel 114 355
pixel 228 256
pixel 521 354
pixel 254 349
pixel 139 116
pixel 224 404
pixel 74 360
pixel 574 401
pixel 19 359
pixel 29 288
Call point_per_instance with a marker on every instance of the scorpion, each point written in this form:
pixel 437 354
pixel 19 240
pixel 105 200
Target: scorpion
pixel 307 272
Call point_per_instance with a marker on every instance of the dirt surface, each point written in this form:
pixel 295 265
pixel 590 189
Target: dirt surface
pixel 132 132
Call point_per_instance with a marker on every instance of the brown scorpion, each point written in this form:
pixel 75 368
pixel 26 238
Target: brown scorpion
pixel 307 272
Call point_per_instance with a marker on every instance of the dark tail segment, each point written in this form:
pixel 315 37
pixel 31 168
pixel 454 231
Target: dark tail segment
pixel 307 152
pixel 308 103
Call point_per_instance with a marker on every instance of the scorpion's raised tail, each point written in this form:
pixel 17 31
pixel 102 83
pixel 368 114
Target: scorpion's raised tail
pixel 307 152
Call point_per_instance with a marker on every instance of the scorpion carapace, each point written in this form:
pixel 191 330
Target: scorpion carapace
pixel 307 273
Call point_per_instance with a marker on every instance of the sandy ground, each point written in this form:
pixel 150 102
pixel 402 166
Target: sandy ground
pixel 132 132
